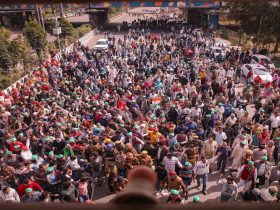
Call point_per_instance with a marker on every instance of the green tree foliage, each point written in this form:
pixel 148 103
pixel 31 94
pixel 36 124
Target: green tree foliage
pixel 83 30
pixel 36 37
pixel 259 19
pixel 66 27
pixel 5 33
pixel 6 60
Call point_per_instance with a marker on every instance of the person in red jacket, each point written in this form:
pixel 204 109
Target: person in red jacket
pixel 264 136
pixel 27 183
pixel 15 145
pixel 248 176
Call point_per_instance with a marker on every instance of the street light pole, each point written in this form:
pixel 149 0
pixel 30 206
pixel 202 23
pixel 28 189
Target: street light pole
pixel 57 31
pixel 61 10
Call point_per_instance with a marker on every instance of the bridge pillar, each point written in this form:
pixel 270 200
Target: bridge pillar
pixel 98 17
pixel 213 21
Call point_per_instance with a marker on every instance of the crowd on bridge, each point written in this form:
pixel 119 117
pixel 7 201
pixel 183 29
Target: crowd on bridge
pixel 157 100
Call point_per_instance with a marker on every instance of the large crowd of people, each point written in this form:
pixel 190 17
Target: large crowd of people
pixel 158 100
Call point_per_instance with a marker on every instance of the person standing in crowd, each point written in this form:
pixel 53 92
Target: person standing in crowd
pixel 8 194
pixel 248 176
pixel 263 170
pixel 201 171
pixel 163 102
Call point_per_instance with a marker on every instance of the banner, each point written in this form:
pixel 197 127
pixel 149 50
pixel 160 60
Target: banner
pixel 179 4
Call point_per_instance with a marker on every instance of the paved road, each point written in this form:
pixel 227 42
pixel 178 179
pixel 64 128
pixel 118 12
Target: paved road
pixel 213 188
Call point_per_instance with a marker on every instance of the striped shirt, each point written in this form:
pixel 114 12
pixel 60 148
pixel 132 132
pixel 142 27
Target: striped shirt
pixel 171 163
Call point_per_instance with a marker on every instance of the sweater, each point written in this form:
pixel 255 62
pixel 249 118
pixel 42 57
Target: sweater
pixel 202 168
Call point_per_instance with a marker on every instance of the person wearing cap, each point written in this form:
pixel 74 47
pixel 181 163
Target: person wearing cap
pixel 15 146
pixel 27 183
pixel 243 136
pixel 8 194
pixel 52 180
pixel 269 194
pixel 274 174
pixel 263 170
pixel 36 161
pixel 201 171
pixel 248 176
pixel 186 173
pixel 175 182
pixel 174 196
pixel 31 196
pixel 237 154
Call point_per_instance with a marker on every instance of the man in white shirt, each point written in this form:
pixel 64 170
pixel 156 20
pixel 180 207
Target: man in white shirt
pixel 8 194
pixel 220 136
pixel 275 120
pixel 263 169
pixel 196 111
pixel 201 171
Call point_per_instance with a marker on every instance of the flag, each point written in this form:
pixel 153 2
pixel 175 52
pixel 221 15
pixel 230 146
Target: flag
pixel 258 80
pixel 156 100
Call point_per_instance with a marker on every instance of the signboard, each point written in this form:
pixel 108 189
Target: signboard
pixel 180 4
pixel 8 7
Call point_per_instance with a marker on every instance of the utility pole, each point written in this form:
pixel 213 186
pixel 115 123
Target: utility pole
pixel 38 14
pixel 61 10
pixel 57 31
pixel 260 27
pixel 42 18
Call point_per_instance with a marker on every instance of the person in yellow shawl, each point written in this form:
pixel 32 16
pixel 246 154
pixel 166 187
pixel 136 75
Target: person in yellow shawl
pixel 154 134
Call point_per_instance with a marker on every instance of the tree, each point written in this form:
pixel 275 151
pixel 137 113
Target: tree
pixel 259 19
pixel 6 60
pixel 83 30
pixel 36 37
pixel 66 27
pixel 5 33
pixel 20 52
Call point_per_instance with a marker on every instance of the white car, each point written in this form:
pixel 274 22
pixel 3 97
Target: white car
pixel 101 44
pixel 217 51
pixel 221 43
pixel 258 70
pixel 263 60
